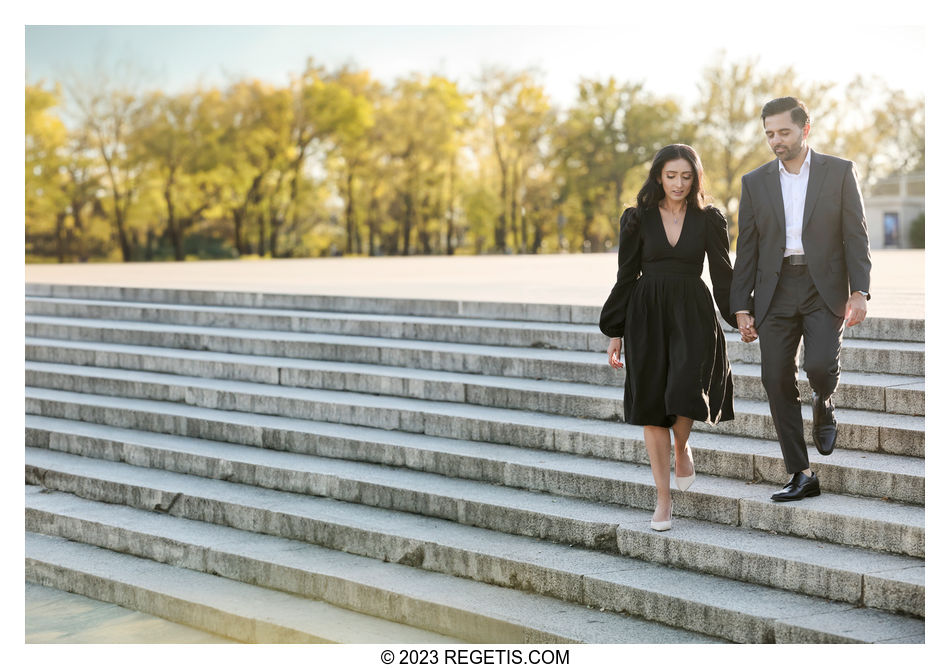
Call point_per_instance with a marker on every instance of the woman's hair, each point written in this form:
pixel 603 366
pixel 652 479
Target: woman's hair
pixel 652 191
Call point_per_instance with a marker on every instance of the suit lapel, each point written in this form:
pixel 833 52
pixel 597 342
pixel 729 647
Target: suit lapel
pixel 816 176
pixel 775 193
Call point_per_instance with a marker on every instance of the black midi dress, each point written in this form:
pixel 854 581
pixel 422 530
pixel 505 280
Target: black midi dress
pixel 675 351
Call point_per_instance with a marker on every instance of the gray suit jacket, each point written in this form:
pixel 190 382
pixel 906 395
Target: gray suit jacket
pixel 834 236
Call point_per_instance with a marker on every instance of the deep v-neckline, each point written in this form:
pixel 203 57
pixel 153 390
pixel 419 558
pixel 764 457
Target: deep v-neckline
pixel 659 214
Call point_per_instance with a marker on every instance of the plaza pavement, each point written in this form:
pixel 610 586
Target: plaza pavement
pixel 897 277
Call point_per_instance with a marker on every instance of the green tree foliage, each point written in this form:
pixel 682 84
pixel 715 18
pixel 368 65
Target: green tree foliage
pixel 336 162
pixel 612 130
pixel 517 116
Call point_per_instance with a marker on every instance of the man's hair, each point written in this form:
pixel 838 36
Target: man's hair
pixel 794 105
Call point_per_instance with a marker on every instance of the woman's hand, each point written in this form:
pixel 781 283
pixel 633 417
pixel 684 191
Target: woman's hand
pixel 747 329
pixel 613 352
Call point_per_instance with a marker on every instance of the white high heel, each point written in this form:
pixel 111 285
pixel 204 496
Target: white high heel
pixel 662 525
pixel 684 482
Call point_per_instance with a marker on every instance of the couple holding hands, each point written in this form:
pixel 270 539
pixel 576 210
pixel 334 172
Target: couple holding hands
pixel 802 270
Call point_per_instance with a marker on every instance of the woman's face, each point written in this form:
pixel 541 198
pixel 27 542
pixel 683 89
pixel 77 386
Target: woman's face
pixel 676 177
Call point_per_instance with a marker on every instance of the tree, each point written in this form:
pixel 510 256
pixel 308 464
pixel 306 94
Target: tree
pixel 879 128
pixel 517 113
pixel 46 199
pixel 179 137
pixel 107 116
pixel 338 110
pixel 258 121
pixel 611 130
pixel 730 139
pixel 428 115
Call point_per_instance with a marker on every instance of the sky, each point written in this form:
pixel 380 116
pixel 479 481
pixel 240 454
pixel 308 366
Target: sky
pixel 177 57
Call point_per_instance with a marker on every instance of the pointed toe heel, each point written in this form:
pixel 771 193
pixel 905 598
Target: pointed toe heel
pixel 684 482
pixel 661 525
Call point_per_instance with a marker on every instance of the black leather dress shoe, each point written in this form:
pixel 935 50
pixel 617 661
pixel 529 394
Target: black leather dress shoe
pixel 799 486
pixel 824 427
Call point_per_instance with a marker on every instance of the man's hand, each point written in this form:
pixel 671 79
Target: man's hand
pixel 747 327
pixel 856 310
pixel 613 353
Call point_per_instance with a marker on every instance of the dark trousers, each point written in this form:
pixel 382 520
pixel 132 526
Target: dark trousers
pixel 797 310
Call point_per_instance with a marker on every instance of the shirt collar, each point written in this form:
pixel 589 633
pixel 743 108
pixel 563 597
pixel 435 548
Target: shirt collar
pixel 806 165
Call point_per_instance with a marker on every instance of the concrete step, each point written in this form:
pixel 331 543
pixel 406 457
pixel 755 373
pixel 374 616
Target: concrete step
pixel 857 355
pixel 499 494
pixel 732 610
pixel 857 430
pixel 857 576
pixel 888 393
pixel 256 569
pixel 874 356
pixel 891 329
pixel 902 358
pixel 528 334
pixel 891 477
pixel 874 392
pixel 899 478
pixel 206 601
pixel 452 436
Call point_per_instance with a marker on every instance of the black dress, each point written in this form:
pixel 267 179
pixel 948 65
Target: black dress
pixel 675 352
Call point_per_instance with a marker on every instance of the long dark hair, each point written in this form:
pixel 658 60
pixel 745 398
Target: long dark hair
pixel 652 191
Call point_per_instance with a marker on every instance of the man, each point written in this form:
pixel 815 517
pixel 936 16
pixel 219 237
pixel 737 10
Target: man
pixel 802 268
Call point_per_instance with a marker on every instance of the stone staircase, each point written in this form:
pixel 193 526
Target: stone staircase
pixel 293 467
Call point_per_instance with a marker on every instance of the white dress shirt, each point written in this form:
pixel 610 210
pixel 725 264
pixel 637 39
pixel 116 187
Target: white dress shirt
pixel 793 197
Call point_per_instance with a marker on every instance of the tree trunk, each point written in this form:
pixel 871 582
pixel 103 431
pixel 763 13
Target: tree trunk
pixel 173 228
pixel 423 233
pixel 372 226
pixel 149 245
pixel 237 215
pixel 261 233
pixel 348 214
pixel 523 213
pixel 502 225
pixel 538 233
pixel 79 226
pixel 407 222
pixel 276 223
pixel 121 232
pixel 450 232
pixel 60 236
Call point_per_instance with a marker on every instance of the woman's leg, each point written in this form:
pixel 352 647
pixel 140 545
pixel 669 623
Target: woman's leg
pixel 657 440
pixel 681 430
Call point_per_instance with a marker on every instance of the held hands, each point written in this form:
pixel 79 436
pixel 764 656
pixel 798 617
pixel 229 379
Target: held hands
pixel 613 353
pixel 856 309
pixel 746 324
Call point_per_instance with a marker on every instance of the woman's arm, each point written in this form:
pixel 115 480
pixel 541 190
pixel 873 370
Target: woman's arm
pixel 629 258
pixel 720 267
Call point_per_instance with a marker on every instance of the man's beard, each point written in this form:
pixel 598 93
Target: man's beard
pixel 789 155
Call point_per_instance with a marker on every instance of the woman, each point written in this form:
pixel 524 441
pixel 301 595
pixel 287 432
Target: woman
pixel 661 311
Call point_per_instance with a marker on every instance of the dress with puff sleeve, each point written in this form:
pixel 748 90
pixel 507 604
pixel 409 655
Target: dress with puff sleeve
pixel 675 359
pixel 614 313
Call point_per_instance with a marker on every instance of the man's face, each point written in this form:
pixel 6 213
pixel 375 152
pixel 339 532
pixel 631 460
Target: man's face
pixel 785 138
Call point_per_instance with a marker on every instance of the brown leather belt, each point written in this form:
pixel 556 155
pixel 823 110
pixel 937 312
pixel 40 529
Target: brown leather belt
pixel 795 260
